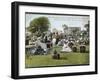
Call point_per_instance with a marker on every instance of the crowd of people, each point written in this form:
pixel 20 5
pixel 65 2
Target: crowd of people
pixel 47 42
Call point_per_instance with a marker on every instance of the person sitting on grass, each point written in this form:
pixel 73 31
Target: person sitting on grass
pixel 56 55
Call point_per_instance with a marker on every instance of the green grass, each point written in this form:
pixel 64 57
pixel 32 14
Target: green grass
pixel 66 59
pixel 71 58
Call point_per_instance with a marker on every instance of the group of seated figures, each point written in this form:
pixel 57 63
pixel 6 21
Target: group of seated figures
pixel 44 44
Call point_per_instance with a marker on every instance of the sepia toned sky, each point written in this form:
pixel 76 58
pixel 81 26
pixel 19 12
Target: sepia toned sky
pixel 57 21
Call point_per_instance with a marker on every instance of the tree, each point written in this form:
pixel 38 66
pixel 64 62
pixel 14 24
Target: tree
pixel 87 26
pixel 65 28
pixel 75 32
pixel 39 25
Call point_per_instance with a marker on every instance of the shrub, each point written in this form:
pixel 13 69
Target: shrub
pixel 56 55
pixel 74 48
pixel 82 49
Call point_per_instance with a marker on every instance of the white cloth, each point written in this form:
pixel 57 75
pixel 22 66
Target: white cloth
pixel 54 41
pixel 60 43
pixel 66 48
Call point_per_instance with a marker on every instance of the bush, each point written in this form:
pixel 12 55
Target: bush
pixel 74 49
pixel 56 55
pixel 82 49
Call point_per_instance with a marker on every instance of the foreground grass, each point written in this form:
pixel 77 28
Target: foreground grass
pixel 66 59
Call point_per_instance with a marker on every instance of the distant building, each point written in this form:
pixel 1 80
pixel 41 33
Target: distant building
pixel 70 30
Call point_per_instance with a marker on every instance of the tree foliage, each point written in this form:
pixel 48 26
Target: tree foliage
pixel 65 27
pixel 39 25
pixel 87 26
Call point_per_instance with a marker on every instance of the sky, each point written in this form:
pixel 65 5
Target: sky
pixel 57 21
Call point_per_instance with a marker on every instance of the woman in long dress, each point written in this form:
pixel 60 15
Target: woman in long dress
pixel 66 48
pixel 54 41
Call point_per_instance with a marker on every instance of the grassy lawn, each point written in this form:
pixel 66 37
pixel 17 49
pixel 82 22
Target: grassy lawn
pixel 66 59
pixel 72 58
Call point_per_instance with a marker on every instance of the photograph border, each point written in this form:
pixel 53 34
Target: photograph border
pixel 15 39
